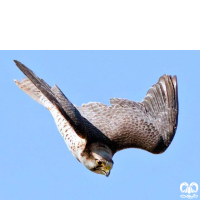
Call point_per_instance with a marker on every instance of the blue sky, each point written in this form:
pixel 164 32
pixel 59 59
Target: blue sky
pixel 36 163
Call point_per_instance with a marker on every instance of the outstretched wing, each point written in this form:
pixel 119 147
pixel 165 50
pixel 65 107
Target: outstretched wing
pixel 55 96
pixel 149 125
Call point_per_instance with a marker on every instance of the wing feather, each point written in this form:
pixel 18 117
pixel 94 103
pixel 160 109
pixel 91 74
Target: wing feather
pixel 54 95
pixel 149 125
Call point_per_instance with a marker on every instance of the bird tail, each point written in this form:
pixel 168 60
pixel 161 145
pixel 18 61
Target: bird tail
pixel 49 97
pixel 29 88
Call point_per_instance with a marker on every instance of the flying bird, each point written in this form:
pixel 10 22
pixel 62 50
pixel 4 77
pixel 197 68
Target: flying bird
pixel 94 132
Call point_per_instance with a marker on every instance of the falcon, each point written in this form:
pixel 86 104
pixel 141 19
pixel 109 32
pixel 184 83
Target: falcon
pixel 94 132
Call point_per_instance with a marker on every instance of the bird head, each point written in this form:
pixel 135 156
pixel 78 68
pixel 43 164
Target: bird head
pixel 99 160
pixel 100 165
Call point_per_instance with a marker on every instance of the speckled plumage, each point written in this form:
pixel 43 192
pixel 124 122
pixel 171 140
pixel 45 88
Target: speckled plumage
pixel 96 129
pixel 74 143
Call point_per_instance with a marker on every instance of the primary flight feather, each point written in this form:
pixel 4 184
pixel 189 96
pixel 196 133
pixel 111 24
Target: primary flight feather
pixel 95 132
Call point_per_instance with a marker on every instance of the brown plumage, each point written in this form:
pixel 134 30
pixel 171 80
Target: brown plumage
pixel 95 132
pixel 149 125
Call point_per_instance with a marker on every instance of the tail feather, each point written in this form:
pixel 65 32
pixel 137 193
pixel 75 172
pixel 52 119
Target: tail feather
pixel 40 91
pixel 29 88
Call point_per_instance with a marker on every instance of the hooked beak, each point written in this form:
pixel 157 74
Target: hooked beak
pixel 106 173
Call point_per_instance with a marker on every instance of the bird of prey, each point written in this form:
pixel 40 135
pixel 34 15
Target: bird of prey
pixel 94 132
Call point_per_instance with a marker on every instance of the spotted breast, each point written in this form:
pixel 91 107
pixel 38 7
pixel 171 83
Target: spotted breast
pixel 74 143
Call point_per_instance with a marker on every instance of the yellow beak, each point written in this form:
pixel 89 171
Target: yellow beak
pixel 106 171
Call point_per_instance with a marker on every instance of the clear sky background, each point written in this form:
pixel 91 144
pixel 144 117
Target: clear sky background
pixel 36 163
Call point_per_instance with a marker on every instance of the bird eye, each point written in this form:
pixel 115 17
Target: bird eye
pixel 99 162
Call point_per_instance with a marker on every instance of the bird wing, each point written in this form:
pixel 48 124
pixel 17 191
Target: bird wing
pixel 149 125
pixel 38 88
pixel 55 96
